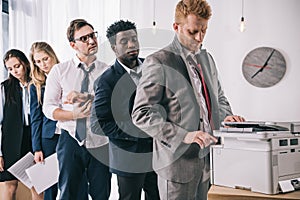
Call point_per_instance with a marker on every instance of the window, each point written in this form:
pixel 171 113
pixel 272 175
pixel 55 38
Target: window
pixel 4 46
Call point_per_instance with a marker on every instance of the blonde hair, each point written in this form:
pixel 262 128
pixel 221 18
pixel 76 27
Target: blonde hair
pixel 200 8
pixel 37 75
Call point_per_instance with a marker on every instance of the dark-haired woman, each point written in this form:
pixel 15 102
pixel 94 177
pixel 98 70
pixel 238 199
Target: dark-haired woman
pixel 15 134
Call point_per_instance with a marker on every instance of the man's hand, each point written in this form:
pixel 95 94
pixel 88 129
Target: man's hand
pixel 234 118
pixel 82 111
pixel 203 139
pixel 77 97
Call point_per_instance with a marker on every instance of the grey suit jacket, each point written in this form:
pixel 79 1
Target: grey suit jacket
pixel 167 108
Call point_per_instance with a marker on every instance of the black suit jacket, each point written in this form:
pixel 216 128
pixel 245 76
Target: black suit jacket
pixel 16 140
pixel 130 148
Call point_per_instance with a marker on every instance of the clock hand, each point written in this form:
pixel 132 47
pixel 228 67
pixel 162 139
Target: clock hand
pixel 265 64
pixel 257 66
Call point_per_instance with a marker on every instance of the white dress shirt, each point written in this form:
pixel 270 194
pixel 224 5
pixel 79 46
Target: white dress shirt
pixel 26 103
pixel 136 70
pixel 62 79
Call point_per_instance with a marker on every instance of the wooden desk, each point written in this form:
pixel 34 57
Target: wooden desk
pixel 225 193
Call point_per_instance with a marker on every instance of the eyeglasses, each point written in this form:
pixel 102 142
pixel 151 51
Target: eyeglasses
pixel 85 38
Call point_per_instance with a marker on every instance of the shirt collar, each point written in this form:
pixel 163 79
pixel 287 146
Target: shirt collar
pixel 77 62
pixel 187 53
pixel 23 86
pixel 137 69
pixel 184 51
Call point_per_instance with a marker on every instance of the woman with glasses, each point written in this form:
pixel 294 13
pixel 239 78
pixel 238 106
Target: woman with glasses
pixel 15 136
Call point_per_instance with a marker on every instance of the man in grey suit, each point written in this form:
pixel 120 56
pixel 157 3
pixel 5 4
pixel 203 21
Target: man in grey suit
pixel 179 101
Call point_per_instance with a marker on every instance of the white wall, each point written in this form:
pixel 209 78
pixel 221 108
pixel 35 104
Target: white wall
pixel 273 23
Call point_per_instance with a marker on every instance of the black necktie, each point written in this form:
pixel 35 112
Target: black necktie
pixel 81 123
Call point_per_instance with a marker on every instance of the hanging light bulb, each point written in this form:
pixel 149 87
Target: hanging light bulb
pixel 154 22
pixel 154 25
pixel 242 23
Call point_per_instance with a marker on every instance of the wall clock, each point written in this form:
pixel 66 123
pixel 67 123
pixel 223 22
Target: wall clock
pixel 264 67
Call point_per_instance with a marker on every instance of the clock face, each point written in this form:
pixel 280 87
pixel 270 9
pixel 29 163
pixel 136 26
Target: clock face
pixel 264 67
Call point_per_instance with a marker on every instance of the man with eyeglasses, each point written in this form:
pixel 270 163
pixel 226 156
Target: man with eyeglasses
pixel 68 98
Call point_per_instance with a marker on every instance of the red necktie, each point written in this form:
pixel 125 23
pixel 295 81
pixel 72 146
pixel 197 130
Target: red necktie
pixel 205 92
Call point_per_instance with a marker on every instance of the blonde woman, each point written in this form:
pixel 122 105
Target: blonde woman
pixel 43 130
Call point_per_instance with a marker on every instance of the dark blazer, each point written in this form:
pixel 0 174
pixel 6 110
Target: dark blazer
pixel 167 108
pixel 41 126
pixel 112 106
pixel 16 141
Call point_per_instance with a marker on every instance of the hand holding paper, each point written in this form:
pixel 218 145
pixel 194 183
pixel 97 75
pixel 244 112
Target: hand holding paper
pixel 40 176
pixel 48 171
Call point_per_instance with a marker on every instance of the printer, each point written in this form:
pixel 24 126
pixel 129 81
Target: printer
pixel 261 157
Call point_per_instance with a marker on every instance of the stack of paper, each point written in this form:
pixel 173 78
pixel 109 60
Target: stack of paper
pixel 40 175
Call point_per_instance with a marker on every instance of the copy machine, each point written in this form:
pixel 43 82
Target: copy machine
pixel 258 156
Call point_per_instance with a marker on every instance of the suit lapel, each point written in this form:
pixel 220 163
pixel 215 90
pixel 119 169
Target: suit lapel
pixel 127 84
pixel 118 68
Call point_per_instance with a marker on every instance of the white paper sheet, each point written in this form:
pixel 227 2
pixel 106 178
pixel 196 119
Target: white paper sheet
pixel 44 175
pixel 286 186
pixel 18 169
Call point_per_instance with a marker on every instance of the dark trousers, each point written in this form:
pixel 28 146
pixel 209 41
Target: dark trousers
pixel 74 162
pixel 130 187
pixel 49 148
